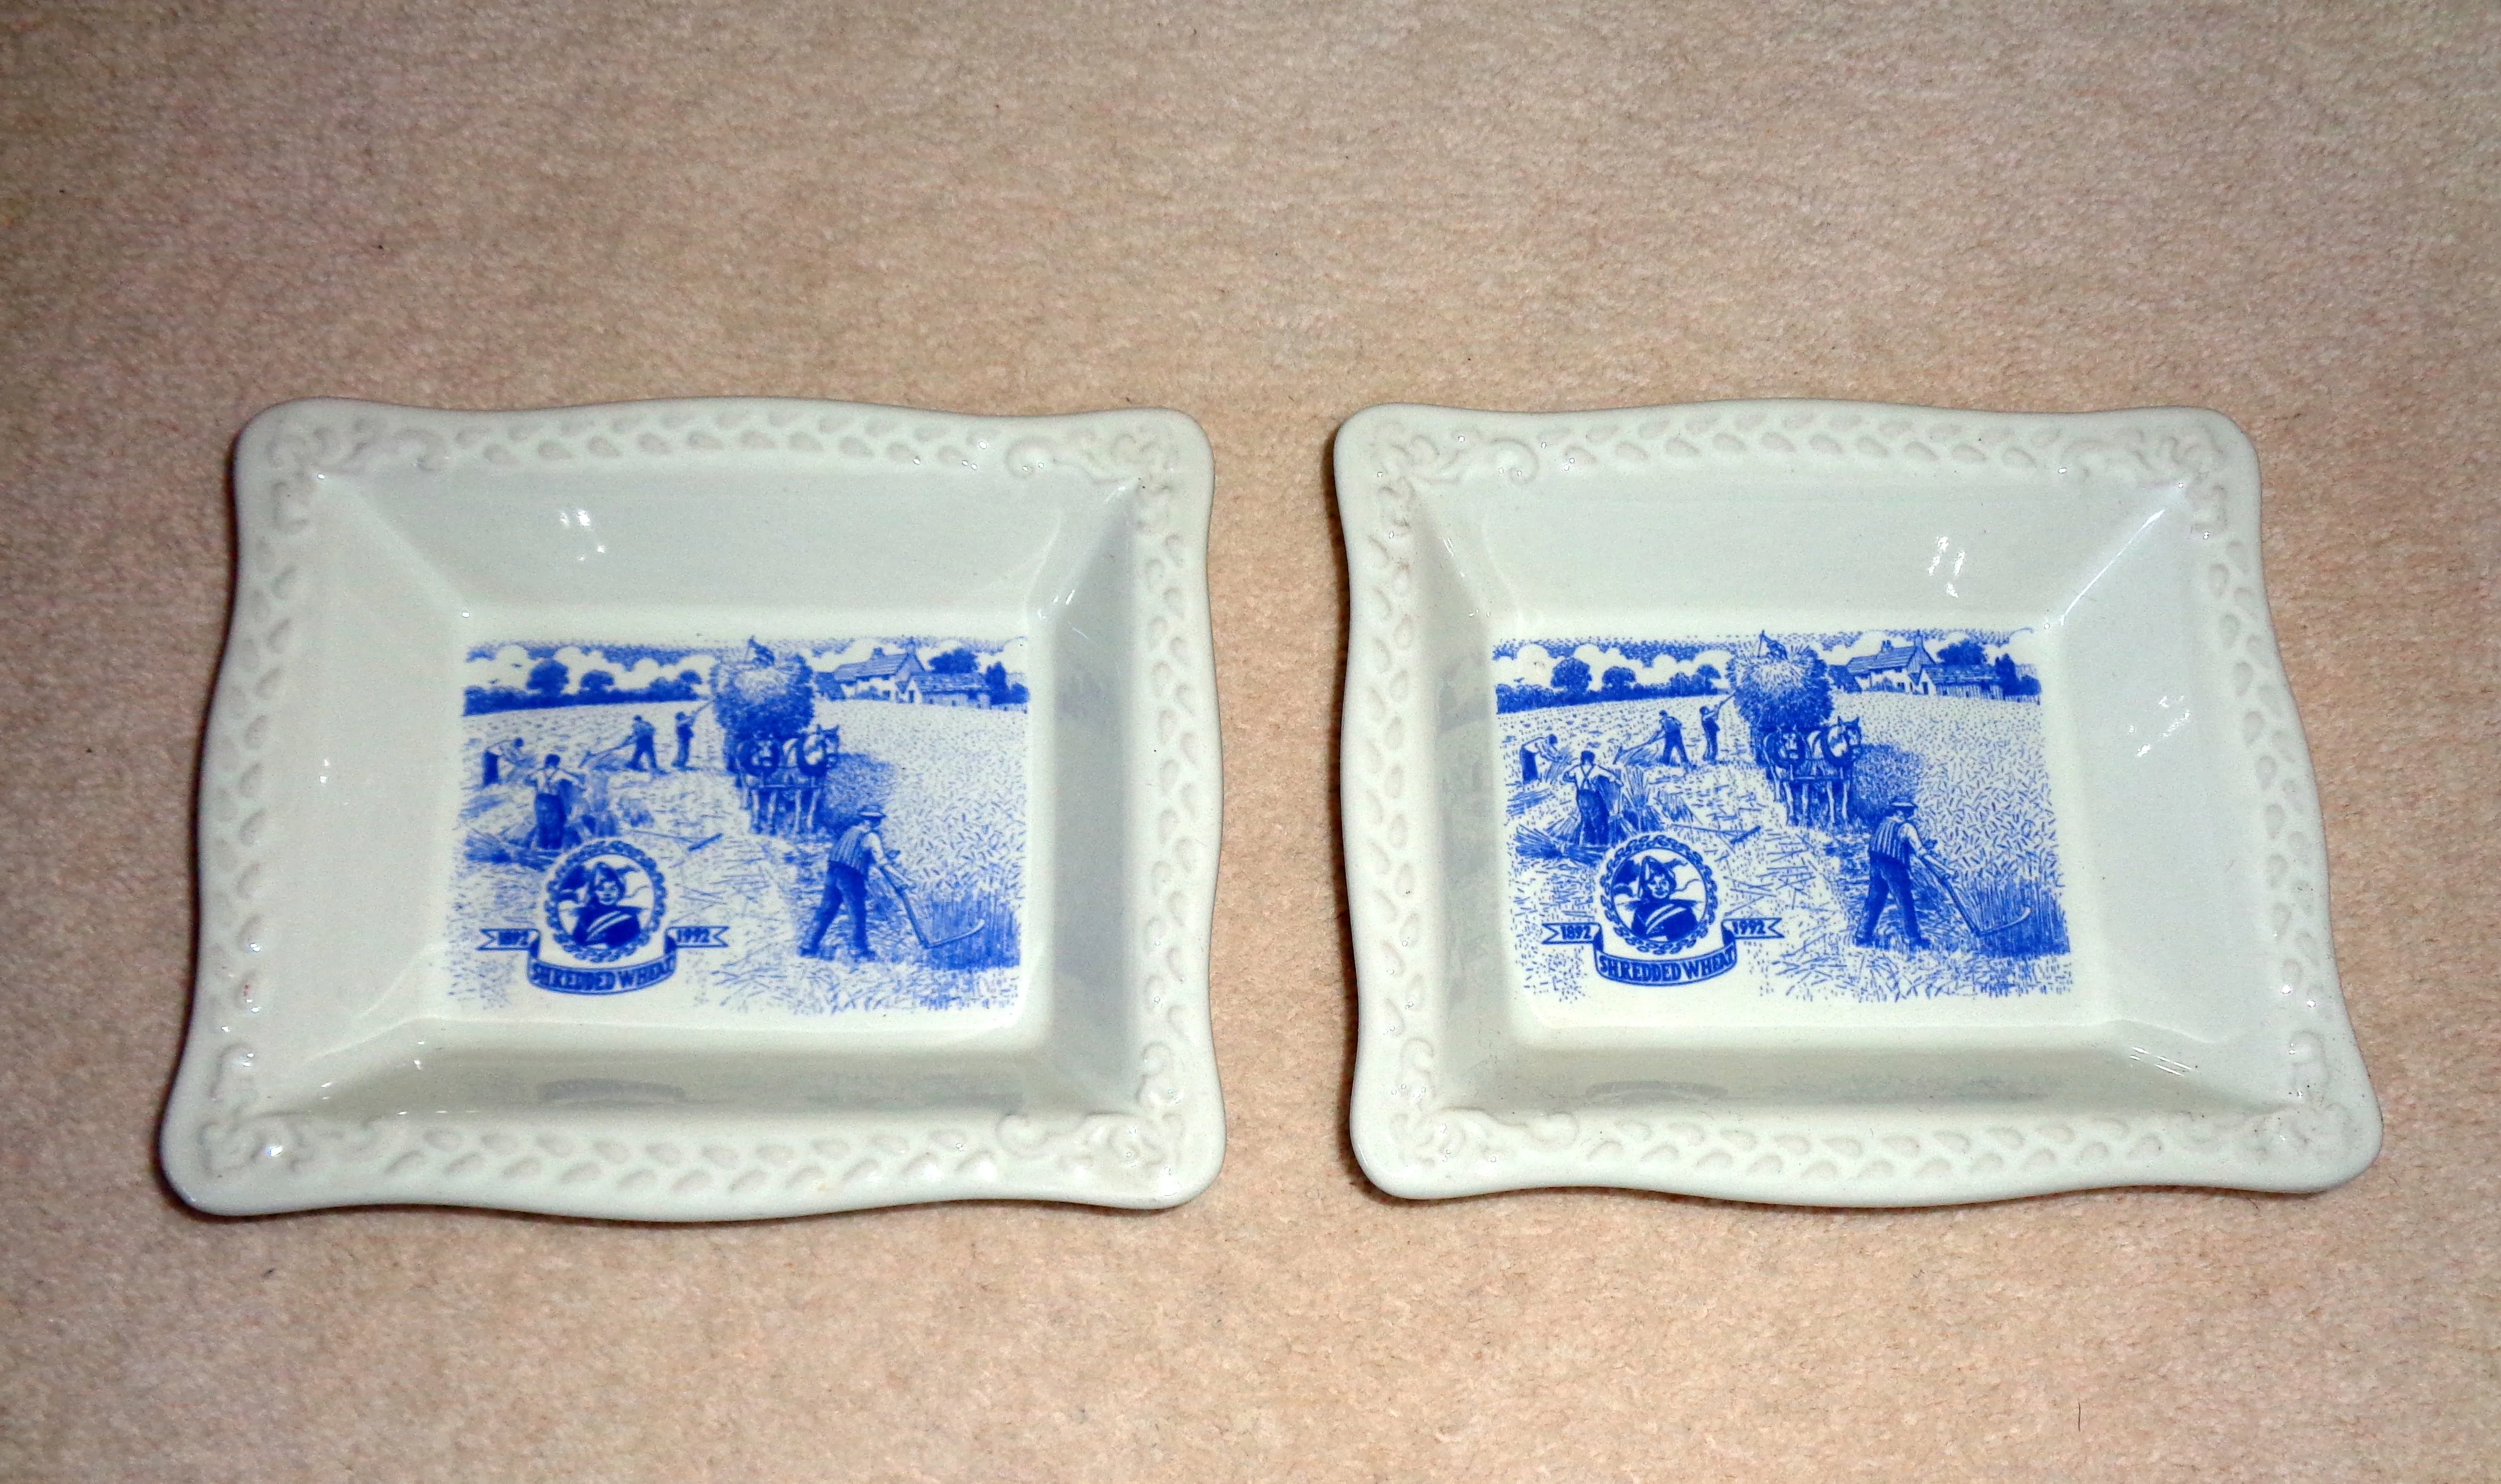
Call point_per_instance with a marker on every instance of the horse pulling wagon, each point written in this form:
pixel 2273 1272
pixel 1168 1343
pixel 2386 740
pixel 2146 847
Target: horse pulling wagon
pixel 781 780
pixel 1812 770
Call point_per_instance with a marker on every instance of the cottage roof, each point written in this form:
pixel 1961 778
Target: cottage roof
pixel 879 666
pixel 1890 657
pixel 1964 675
pixel 951 684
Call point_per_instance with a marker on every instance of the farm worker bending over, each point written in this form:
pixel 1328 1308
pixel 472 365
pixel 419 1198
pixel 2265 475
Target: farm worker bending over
pixel 858 851
pixel 1593 788
pixel 1670 736
pixel 1547 751
pixel 1890 850
pixel 505 757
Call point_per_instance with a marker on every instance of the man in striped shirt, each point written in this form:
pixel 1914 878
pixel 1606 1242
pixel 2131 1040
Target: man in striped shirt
pixel 1890 850
pixel 856 853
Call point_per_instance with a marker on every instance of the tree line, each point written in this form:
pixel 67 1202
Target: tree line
pixel 545 686
pixel 1570 685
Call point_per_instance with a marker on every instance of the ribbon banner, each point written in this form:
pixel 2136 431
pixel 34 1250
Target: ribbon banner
pixel 567 980
pixel 1665 970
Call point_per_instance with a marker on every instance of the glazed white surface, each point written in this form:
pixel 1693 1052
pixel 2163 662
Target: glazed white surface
pixel 2204 1042
pixel 322 1067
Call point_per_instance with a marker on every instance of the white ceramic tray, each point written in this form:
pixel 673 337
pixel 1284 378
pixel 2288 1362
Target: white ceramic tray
pixel 1631 698
pixel 898 892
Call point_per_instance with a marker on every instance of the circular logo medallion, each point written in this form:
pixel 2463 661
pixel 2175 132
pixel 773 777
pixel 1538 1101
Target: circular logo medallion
pixel 604 901
pixel 1656 893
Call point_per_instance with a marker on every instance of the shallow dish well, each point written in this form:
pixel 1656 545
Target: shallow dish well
pixel 1832 804
pixel 706 809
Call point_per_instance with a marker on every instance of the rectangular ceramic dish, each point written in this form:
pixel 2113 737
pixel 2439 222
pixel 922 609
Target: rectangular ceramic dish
pixel 706 810
pixel 1830 804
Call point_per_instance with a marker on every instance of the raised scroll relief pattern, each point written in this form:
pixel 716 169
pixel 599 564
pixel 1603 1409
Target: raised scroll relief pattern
pixel 1463 1143
pixel 1136 1152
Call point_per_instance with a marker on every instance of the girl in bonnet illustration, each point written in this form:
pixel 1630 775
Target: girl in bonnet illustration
pixel 604 920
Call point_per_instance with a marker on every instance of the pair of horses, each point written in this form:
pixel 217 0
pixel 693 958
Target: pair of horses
pixel 1811 769
pixel 783 780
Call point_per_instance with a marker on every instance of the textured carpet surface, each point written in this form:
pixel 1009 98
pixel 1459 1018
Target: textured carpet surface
pixel 1268 215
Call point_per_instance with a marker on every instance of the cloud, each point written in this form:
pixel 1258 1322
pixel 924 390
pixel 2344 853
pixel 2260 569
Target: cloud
pixel 2029 647
pixel 510 667
pixel 1531 666
pixel 1534 665
pixel 1011 653
pixel 1657 671
pixel 850 653
pixel 508 670
pixel 580 663
pixel 1865 643
pixel 1877 639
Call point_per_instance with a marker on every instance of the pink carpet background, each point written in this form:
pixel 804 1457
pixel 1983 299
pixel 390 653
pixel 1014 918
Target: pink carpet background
pixel 1268 215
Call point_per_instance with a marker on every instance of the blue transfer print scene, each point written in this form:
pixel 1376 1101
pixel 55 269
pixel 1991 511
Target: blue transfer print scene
pixel 1855 817
pixel 817 826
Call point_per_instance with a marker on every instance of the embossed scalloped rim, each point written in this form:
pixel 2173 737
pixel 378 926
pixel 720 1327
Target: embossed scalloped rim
pixel 226 1150
pixel 1412 1142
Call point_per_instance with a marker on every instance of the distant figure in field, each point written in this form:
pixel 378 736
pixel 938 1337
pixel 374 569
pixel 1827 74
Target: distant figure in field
pixel 1890 850
pixel 856 852
pixel 1592 790
pixel 551 801
pixel 1547 751
pixel 1669 733
pixel 644 757
pixel 685 741
pixel 501 757
pixel 1711 734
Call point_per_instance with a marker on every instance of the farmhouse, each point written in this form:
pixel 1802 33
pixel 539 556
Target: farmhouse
pixel 882 677
pixel 954 690
pixel 1895 667
pixel 1979 680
